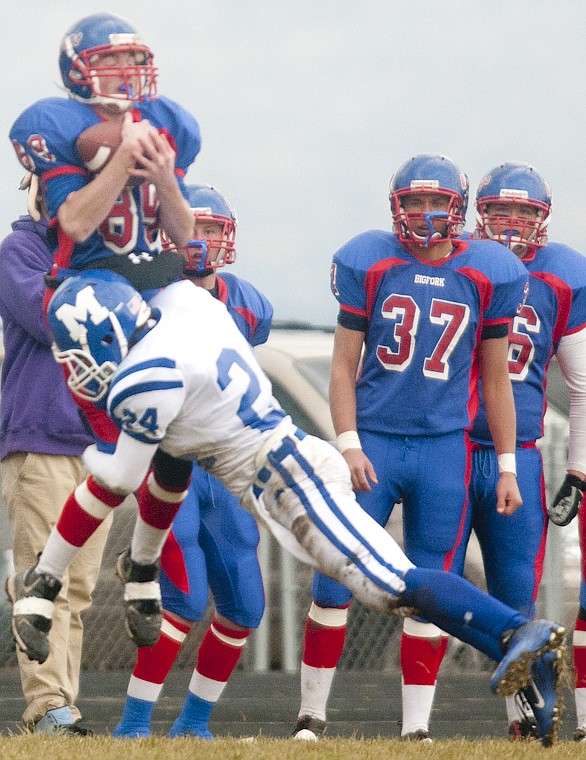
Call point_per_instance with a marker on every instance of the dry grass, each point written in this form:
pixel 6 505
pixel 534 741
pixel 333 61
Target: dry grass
pixel 105 748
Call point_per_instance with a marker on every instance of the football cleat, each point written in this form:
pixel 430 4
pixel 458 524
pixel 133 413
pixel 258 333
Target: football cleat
pixel 32 596
pixel 142 596
pixel 523 646
pixel 543 693
pixel 418 736
pixel 308 729
pixel 523 730
pixel 579 734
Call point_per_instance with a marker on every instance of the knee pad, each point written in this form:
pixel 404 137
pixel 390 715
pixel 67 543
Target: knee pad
pixel 170 472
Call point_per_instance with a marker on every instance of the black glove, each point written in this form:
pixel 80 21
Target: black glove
pixel 567 501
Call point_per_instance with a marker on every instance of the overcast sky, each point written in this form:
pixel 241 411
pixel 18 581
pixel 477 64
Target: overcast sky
pixel 308 107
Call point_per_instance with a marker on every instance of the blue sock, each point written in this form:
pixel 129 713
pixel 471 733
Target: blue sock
pixel 193 719
pixel 459 608
pixel 135 720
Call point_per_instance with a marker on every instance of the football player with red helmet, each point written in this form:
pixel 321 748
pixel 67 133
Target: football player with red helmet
pixel 423 313
pixel 111 218
pixel 513 206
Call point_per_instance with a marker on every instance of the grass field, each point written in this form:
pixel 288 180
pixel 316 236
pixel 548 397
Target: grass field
pixel 106 748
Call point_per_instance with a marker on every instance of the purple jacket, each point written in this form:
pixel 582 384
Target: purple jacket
pixel 37 412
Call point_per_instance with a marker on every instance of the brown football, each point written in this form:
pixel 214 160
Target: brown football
pixel 96 145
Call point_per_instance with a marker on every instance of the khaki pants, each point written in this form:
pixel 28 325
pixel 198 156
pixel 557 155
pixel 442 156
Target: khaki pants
pixel 35 488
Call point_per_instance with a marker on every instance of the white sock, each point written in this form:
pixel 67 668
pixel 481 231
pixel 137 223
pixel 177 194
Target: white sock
pixel 145 690
pixel 580 697
pixel 417 704
pixel 316 684
pixel 57 555
pixel 147 542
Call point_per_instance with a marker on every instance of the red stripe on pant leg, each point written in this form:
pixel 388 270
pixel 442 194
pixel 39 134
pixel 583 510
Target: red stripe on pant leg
pixel 173 563
pixel 322 646
pixel 580 667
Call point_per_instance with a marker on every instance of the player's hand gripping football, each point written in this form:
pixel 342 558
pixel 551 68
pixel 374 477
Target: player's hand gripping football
pixel 567 500
pixel 154 156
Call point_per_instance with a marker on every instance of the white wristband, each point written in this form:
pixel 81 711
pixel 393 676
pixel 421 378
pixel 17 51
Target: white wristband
pixel 348 440
pixel 507 463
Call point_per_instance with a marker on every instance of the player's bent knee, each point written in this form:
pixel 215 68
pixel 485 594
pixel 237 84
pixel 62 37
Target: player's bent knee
pixel 170 472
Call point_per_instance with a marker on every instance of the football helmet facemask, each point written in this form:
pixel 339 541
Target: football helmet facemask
pixel 520 185
pixel 207 254
pixel 94 317
pixel 80 60
pixel 435 174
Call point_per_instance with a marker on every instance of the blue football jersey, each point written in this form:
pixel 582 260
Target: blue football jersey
pixel 555 306
pixel 44 137
pixel 248 307
pixel 425 319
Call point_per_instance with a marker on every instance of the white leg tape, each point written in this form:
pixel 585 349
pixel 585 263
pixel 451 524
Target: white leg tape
pixel 135 591
pixel 332 617
pixel 421 630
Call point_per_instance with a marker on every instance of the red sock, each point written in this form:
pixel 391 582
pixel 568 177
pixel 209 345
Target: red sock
pixel 323 645
pixel 421 658
pixel 154 663
pixel 220 651
pixel 580 653
pixel 85 510
pixel 158 504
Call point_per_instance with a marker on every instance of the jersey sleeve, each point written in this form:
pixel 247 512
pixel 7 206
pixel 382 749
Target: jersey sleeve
pixel 180 126
pixel 249 308
pixel 145 398
pixel 44 135
pixel 572 269
pixel 510 286
pixel 347 276
pixel 351 264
